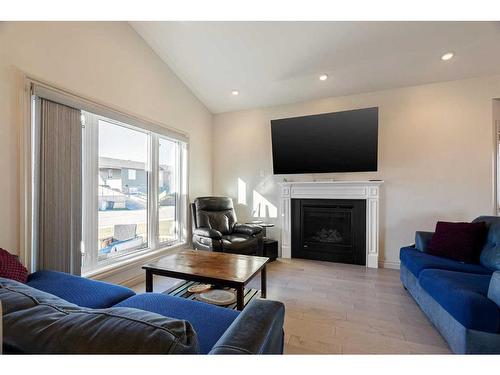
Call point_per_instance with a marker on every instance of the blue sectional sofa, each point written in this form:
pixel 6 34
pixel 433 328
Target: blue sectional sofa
pixel 60 313
pixel 462 300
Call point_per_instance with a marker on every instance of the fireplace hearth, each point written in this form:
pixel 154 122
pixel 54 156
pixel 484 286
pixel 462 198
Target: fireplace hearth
pixel 329 229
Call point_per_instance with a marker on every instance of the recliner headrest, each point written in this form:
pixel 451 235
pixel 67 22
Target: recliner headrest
pixel 214 203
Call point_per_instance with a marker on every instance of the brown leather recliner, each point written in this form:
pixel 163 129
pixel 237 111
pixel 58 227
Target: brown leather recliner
pixel 215 228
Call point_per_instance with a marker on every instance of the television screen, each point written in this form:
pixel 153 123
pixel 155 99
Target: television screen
pixel 330 142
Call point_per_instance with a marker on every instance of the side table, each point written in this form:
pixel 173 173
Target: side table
pixel 270 249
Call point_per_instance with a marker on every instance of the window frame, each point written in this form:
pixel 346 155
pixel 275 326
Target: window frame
pixel 90 207
pixel 179 222
pixel 34 88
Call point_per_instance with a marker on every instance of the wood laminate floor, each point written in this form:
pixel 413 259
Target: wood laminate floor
pixel 334 308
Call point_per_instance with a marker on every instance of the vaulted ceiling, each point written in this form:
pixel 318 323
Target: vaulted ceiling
pixel 272 63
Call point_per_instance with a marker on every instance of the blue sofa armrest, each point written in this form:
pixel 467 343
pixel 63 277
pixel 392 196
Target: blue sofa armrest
pixel 494 288
pixel 257 330
pixel 422 240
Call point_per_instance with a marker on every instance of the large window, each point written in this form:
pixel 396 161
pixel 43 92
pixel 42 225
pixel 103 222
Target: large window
pixel 122 190
pixel 133 187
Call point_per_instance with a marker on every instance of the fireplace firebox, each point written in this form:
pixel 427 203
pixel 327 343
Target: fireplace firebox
pixel 331 230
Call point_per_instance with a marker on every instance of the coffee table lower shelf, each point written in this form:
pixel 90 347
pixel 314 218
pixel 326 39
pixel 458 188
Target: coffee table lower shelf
pixel 181 290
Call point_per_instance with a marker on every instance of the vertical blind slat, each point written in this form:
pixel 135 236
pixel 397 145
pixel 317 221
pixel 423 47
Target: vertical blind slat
pixel 60 229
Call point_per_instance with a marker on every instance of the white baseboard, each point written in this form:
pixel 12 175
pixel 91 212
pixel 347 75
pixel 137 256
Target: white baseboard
pixel 388 264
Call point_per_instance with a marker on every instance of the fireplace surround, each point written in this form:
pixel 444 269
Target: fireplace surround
pixel 368 191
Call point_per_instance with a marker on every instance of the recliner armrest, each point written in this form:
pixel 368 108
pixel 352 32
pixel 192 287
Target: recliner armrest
pixel 208 232
pixel 250 230
pixel 257 330
pixel 422 240
pixel 494 288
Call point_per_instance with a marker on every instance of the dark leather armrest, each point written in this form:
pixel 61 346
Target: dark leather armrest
pixel 208 232
pixel 251 230
pixel 422 240
pixel 257 330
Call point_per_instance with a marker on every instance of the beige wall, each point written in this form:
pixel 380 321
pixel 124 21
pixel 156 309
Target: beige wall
pixel 108 62
pixel 496 122
pixel 435 155
pixel 435 143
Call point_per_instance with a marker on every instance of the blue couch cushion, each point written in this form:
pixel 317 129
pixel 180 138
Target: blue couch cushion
pixel 417 261
pixel 464 296
pixel 490 254
pixel 36 322
pixel 208 321
pixel 79 290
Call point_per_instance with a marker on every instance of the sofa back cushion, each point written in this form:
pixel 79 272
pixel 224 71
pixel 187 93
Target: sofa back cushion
pixel 458 241
pixel 490 254
pixel 38 322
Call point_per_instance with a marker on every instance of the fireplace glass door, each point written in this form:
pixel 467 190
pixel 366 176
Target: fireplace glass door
pixel 324 226
pixel 330 230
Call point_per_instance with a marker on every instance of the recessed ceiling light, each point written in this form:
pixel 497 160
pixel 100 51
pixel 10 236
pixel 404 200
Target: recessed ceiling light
pixel 447 56
pixel 235 92
pixel 323 77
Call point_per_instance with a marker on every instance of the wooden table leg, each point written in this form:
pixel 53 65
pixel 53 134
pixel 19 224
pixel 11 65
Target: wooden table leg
pixel 240 297
pixel 263 282
pixel 149 281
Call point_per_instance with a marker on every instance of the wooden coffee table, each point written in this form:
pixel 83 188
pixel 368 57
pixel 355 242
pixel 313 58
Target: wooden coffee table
pixel 227 270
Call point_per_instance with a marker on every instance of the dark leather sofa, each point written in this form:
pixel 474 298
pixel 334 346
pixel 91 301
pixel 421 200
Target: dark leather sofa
pixel 57 313
pixel 215 228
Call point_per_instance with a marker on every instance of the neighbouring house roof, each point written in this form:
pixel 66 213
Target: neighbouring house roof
pixel 120 163
pixel 112 163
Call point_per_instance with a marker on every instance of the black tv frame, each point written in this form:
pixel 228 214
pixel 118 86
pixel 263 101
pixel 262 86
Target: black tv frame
pixel 319 170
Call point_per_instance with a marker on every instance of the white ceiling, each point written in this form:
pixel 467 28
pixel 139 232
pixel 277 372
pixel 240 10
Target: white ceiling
pixel 273 63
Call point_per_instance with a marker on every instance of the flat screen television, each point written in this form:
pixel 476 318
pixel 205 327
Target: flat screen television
pixel 330 142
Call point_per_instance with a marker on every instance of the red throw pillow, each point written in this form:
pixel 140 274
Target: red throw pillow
pixel 11 268
pixel 458 241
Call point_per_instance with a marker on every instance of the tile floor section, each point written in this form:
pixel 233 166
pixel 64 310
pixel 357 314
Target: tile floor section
pixel 334 308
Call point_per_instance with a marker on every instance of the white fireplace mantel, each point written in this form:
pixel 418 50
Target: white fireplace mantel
pixel 367 190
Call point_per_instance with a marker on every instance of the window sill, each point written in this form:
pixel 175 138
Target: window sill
pixel 114 268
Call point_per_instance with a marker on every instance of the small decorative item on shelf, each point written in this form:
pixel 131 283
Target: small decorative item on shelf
pixel 218 297
pixel 199 288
